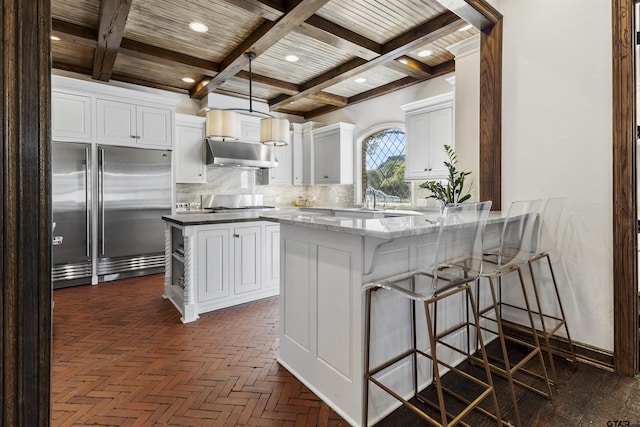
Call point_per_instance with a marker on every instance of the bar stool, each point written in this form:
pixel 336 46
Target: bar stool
pixel 458 251
pixel 545 247
pixel 500 264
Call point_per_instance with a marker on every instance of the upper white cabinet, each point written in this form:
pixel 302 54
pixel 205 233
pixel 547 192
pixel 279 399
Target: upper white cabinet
pixel 189 154
pixel 429 126
pixel 333 154
pixel 90 112
pixel 70 117
pixel 123 122
pixel 281 174
pixel 297 155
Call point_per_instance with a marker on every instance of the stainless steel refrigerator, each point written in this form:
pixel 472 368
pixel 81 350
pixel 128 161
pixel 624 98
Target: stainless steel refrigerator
pixel 108 216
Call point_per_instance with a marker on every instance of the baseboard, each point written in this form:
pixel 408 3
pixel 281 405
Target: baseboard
pixel 585 353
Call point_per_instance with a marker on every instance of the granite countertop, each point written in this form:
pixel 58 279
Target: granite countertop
pixel 383 228
pixel 186 219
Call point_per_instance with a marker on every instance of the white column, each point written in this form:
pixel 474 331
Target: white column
pixel 467 108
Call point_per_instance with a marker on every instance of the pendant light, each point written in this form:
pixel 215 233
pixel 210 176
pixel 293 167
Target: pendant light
pixel 224 125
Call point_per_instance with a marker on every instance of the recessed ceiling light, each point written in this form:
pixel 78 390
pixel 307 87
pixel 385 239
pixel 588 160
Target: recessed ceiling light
pixel 360 80
pixel 188 80
pixel 466 28
pixel 425 53
pixel 403 60
pixel 55 38
pixel 291 58
pixel 198 27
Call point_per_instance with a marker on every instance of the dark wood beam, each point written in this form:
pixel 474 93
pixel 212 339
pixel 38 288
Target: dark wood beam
pixel 270 10
pixel 624 194
pixel 478 13
pixel 410 67
pixel 163 56
pixel 329 98
pixel 441 25
pixel 25 213
pixel 439 70
pixel 268 34
pixel 339 37
pixel 113 17
pixel 280 85
pixel 76 33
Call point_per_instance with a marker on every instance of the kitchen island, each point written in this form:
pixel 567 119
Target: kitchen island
pixel 324 262
pixel 217 260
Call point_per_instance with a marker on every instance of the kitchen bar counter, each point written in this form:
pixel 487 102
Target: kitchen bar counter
pixel 324 261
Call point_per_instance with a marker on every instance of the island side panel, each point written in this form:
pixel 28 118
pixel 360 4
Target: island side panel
pixel 320 314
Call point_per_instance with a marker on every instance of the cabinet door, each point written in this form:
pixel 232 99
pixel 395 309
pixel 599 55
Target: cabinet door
pixel 297 158
pixel 213 265
pixel 247 254
pixel 70 117
pixel 116 122
pixel 153 126
pixel 189 154
pixel 417 128
pixel 272 256
pixel 440 133
pixel 327 158
pixel 427 132
pixel 282 173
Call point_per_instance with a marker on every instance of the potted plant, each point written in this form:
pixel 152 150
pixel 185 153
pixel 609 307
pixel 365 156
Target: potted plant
pixel 454 191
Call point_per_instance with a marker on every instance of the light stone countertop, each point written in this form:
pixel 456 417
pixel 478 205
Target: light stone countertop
pixel 383 228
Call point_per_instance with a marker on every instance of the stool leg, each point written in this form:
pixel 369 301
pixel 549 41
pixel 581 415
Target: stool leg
pixel 485 359
pixel 545 334
pixel 434 363
pixel 505 355
pixel 367 349
pixel 535 335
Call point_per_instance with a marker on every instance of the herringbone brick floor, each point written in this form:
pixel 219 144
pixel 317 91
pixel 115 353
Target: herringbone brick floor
pixel 121 357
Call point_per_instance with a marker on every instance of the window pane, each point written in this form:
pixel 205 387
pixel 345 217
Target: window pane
pixel 384 154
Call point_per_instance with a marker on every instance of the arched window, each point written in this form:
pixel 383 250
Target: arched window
pixel 383 157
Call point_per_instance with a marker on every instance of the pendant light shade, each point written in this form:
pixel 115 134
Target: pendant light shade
pixel 222 125
pixel 274 132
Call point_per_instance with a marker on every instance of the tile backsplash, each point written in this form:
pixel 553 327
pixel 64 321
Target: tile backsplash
pixel 248 181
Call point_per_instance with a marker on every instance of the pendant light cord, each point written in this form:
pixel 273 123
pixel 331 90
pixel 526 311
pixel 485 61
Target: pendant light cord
pixel 250 55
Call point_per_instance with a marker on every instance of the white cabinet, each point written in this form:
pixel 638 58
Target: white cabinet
pixel 70 117
pixel 189 154
pixel 429 126
pixel 282 173
pixel 212 266
pixel 124 123
pixel 333 154
pixel 271 256
pixel 304 150
pixel 247 254
pixel 297 155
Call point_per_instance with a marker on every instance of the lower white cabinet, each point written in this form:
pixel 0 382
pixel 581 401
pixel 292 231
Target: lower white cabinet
pixel 212 266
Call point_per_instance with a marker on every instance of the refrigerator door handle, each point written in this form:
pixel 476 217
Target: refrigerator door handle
pixel 101 199
pixel 87 199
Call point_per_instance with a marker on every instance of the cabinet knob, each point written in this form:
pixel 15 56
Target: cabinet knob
pixel 236 235
pixel 326 176
pixel 133 136
pixel 427 170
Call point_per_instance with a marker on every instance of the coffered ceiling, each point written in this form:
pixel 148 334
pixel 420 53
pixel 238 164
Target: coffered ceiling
pixel 348 50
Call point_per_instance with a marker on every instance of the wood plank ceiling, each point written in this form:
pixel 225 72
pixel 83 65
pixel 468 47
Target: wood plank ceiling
pixel 148 42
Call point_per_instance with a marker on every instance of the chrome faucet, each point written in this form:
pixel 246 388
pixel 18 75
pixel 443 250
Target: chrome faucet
pixel 373 191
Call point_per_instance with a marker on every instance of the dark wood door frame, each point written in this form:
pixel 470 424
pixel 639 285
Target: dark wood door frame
pixel 25 215
pixel 625 245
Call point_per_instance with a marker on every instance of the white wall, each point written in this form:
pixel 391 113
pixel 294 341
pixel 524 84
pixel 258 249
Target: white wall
pixel 557 140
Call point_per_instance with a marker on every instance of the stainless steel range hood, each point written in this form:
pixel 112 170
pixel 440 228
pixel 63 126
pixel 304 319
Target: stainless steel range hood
pixel 236 153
